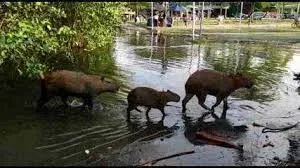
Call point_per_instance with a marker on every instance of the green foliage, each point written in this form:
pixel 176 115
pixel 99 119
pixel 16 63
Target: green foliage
pixel 31 34
pixel 233 10
pixel 99 22
pixel 138 5
pixel 263 62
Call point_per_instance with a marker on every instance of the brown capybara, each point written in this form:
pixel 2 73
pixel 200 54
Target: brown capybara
pixel 150 98
pixel 66 83
pixel 210 82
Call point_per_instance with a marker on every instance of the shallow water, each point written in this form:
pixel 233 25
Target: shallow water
pixel 165 62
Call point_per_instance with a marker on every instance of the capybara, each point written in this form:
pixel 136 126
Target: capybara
pixel 66 83
pixel 210 82
pixel 150 98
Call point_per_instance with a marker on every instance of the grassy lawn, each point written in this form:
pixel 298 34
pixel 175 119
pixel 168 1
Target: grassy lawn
pixel 229 26
pixel 231 30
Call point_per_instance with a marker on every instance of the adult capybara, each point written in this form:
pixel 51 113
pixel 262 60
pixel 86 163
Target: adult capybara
pixel 150 98
pixel 211 82
pixel 66 83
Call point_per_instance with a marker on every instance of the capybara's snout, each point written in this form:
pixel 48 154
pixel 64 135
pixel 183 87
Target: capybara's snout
pixel 115 88
pixel 111 87
pixel 250 84
pixel 174 97
pixel 177 98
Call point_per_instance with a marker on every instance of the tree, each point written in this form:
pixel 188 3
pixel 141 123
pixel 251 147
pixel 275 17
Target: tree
pixel 32 34
pixel 138 6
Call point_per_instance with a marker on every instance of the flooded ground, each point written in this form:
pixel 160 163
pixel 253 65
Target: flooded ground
pixel 162 62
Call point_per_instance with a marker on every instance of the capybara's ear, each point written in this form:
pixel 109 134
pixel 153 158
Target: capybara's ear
pixel 102 78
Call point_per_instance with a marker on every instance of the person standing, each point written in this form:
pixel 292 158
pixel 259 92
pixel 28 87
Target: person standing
pixel 184 19
pixel 169 22
pixel 155 18
pixel 161 20
pixel 137 19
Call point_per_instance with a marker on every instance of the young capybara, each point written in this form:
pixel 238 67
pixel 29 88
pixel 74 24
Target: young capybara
pixel 66 83
pixel 211 82
pixel 150 98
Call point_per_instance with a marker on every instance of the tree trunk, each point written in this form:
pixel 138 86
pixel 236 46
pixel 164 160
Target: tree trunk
pixel 202 16
pixel 209 12
pixel 251 11
pixel 241 12
pixel 193 20
pixel 166 13
pixel 136 8
pixel 282 9
pixel 152 16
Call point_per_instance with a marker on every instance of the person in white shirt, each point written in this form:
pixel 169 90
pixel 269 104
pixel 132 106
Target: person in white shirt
pixel 137 19
pixel 155 18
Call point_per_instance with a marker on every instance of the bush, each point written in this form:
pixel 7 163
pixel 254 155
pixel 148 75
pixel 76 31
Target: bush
pixel 31 34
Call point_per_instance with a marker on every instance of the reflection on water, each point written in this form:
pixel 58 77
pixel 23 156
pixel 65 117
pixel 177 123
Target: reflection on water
pixel 218 128
pixel 265 62
pixel 160 62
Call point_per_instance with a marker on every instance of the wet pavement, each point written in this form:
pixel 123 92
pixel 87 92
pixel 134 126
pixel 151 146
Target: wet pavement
pixel 163 62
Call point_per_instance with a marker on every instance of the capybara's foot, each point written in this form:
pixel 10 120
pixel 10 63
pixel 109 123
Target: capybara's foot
pixel 240 147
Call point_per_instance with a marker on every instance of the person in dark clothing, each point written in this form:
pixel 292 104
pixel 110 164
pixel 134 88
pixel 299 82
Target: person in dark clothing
pixel 185 19
pixel 161 20
pixel 169 22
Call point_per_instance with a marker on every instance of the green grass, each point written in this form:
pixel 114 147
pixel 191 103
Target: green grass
pixel 280 30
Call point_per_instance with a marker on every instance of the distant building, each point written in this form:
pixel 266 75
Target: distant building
pixel 211 9
pixel 129 14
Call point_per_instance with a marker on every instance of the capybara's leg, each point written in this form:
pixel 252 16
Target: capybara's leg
pixel 41 102
pixel 225 108
pixel 147 113
pixel 64 99
pixel 89 102
pixel 163 117
pixel 201 99
pixel 186 99
pixel 219 100
pixel 162 110
pixel 44 96
pixel 138 109
pixel 129 108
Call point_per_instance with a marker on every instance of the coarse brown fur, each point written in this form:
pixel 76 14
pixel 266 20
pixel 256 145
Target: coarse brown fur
pixel 150 98
pixel 66 83
pixel 210 82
